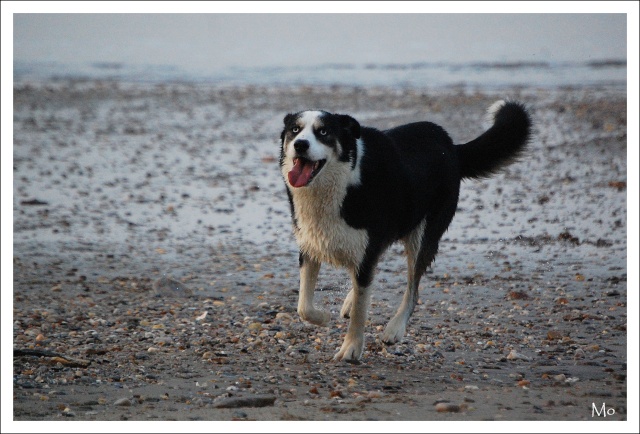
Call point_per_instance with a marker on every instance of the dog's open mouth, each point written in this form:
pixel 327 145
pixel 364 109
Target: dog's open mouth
pixel 304 171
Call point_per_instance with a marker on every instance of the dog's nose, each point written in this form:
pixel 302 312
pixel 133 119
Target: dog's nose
pixel 301 145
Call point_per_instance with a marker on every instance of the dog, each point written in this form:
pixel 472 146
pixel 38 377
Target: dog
pixel 354 190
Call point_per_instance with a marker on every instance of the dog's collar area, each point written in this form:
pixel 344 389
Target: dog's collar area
pixel 304 171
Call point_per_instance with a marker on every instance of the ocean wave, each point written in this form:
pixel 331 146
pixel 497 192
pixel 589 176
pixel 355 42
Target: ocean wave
pixel 605 72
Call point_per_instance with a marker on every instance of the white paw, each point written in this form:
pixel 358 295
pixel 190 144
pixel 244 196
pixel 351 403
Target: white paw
pixel 351 350
pixel 394 331
pixel 345 312
pixel 317 317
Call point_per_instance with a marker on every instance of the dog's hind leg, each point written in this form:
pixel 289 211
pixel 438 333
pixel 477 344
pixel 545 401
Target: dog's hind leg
pixel 309 270
pixel 397 326
pixel 422 247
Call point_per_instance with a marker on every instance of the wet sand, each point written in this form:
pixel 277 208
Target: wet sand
pixel 155 273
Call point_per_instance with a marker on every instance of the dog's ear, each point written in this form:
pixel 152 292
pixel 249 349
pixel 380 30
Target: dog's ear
pixel 287 120
pixel 351 125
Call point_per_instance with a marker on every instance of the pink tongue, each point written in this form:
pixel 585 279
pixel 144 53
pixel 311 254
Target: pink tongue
pixel 300 175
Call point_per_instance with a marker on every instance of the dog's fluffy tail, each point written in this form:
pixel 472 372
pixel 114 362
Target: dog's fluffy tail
pixel 500 145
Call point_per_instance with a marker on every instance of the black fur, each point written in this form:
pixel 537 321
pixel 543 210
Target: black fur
pixel 499 146
pixel 413 171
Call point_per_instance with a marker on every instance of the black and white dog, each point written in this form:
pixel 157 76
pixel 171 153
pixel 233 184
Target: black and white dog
pixel 355 190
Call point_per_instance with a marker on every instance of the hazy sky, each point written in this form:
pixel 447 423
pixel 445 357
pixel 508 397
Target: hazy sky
pixel 214 41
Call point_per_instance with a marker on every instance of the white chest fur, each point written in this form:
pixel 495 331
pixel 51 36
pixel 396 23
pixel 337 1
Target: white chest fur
pixel 322 233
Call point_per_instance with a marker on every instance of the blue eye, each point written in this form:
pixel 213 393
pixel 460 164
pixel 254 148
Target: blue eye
pixel 295 129
pixel 323 132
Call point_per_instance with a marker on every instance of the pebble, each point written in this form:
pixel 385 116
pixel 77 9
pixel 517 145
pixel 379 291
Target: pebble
pixel 362 399
pixel 123 402
pixel 246 401
pixel 285 317
pixel 240 415
pixel 337 393
pixel 560 378
pixel 579 354
pixel 514 355
pixel 169 286
pixel 554 335
pixel 445 407
pixel 255 327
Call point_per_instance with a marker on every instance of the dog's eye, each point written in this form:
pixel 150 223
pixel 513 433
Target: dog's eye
pixel 323 132
pixel 295 130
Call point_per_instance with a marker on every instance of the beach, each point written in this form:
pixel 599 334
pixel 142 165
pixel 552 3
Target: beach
pixel 155 272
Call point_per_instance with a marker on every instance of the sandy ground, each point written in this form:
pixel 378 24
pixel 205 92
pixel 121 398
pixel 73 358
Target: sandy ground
pixel 155 274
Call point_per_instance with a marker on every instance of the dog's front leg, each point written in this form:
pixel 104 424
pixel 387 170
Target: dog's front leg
pixel 345 312
pixel 353 345
pixel 309 270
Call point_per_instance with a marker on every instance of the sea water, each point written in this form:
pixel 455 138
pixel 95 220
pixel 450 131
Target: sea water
pixel 406 50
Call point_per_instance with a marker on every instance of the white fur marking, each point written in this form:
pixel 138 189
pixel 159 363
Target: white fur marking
pixel 307 122
pixel 322 233
pixel 492 111
pixel 355 173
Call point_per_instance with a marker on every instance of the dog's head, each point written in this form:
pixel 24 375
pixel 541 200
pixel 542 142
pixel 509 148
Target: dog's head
pixel 313 141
